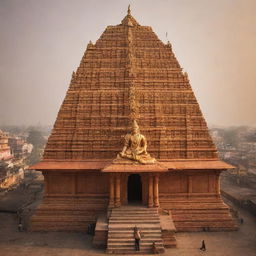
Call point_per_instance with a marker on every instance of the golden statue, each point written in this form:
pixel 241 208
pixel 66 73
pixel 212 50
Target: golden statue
pixel 135 147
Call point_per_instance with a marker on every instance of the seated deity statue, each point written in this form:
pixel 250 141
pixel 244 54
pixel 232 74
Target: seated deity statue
pixel 135 147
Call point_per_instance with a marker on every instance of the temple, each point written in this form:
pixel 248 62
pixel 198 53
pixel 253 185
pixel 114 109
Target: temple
pixel 130 146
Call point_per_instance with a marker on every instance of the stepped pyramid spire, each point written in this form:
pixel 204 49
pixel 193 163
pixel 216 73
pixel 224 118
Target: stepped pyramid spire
pixel 129 74
pixel 129 10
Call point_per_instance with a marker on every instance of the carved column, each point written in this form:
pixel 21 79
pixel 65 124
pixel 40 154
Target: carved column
pixel 189 184
pixel 117 199
pixel 46 183
pixel 73 179
pixel 150 191
pixel 217 181
pixel 111 191
pixel 156 191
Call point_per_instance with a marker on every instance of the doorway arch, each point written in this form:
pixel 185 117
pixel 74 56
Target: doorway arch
pixel 134 189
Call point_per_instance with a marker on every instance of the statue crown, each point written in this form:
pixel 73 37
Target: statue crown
pixel 135 125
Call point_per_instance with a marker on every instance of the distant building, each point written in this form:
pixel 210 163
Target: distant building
pixel 10 174
pixel 27 148
pixel 19 147
pixel 5 151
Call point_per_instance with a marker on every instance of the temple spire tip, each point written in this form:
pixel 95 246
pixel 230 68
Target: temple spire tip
pixel 129 10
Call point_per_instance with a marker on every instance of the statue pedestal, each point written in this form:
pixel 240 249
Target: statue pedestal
pixel 144 159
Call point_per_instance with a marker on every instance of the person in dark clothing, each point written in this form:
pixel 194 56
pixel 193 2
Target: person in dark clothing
pixel 137 237
pixel 154 248
pixel 203 248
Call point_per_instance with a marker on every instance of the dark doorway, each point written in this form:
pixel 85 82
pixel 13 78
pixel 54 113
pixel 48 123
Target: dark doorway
pixel 134 189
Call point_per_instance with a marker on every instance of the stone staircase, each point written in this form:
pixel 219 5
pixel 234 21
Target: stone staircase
pixel 121 230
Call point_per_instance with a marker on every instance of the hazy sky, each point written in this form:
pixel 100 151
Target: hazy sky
pixel 42 42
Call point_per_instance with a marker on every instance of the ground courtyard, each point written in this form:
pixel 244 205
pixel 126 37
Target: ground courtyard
pixel 13 243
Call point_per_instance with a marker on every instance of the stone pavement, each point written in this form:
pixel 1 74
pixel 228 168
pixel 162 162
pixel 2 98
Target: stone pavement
pixel 12 242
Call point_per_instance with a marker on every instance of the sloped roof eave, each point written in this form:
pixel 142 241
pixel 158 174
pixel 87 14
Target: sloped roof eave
pixel 106 166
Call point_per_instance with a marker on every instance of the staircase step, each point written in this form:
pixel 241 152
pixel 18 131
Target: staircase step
pixel 131 227
pixel 121 230
pixel 128 251
pixel 135 222
pixel 131 243
pixel 142 218
pixel 131 239
pixel 134 214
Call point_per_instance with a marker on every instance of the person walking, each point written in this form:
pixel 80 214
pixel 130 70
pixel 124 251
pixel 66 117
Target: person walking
pixel 137 237
pixel 20 227
pixel 203 248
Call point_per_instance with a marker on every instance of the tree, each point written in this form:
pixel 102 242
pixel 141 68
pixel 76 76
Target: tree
pixel 36 138
pixel 35 156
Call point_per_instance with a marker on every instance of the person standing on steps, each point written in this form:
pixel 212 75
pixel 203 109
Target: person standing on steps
pixel 203 248
pixel 154 248
pixel 137 237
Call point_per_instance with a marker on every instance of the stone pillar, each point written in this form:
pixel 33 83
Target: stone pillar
pixel 117 199
pixel 111 191
pixel 73 179
pixel 150 191
pixel 156 191
pixel 189 184
pixel 46 183
pixel 217 181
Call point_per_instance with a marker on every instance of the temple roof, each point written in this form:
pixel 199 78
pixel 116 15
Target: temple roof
pixel 129 74
pixel 107 166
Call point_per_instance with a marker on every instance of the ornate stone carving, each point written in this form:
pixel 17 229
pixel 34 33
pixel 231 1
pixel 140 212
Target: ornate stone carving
pixel 128 74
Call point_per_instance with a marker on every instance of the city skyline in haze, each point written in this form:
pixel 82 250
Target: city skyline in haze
pixel 42 43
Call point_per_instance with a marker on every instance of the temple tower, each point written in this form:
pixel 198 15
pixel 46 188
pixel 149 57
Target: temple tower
pixel 130 132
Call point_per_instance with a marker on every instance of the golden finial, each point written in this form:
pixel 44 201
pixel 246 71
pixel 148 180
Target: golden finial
pixel 135 125
pixel 129 10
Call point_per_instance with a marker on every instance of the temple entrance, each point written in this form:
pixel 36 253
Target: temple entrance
pixel 134 189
